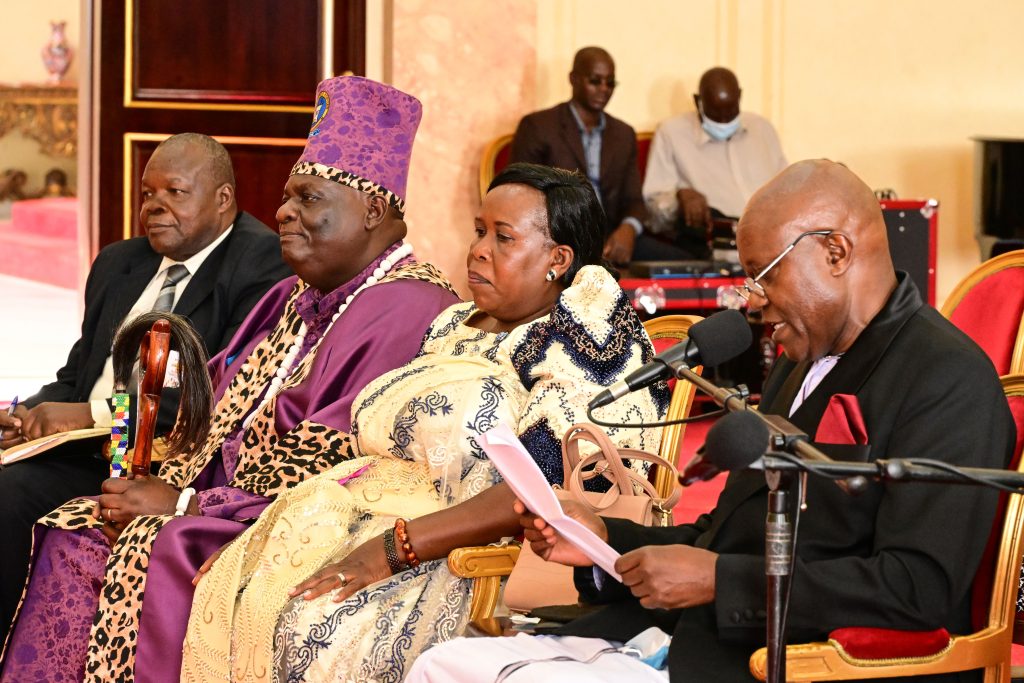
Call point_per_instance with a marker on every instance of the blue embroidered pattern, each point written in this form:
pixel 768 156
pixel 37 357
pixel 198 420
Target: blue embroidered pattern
pixel 377 394
pixel 391 650
pixel 545 448
pixel 432 404
pixel 601 363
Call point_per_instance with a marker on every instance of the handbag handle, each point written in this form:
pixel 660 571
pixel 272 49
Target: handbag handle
pixel 624 480
pixel 585 431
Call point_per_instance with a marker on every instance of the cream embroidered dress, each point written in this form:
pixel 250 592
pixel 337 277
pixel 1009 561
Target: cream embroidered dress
pixel 415 428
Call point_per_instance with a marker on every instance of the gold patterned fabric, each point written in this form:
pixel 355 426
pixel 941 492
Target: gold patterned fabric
pixel 415 429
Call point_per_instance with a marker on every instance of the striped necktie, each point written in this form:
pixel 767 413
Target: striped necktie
pixel 165 300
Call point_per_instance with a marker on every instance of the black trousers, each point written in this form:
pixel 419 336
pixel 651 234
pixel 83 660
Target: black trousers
pixel 29 490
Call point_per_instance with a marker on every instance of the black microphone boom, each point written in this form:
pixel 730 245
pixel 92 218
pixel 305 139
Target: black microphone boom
pixel 734 442
pixel 712 341
pixel 739 439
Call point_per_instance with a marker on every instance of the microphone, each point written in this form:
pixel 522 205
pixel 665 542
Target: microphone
pixel 710 342
pixel 735 442
pixel 738 440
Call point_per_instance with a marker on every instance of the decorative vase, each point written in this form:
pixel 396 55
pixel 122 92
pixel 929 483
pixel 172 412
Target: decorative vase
pixel 57 53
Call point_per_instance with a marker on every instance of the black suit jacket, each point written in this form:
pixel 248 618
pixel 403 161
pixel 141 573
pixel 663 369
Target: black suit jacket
pixel 898 556
pixel 216 300
pixel 551 137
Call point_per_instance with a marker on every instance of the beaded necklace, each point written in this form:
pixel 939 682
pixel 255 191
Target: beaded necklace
pixel 288 362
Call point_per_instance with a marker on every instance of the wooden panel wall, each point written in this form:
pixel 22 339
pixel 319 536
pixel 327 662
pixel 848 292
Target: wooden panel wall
pixel 242 71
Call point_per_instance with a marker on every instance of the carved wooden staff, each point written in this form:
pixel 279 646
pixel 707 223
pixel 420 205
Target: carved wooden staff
pixel 153 354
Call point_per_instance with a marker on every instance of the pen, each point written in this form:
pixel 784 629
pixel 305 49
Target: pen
pixel 10 408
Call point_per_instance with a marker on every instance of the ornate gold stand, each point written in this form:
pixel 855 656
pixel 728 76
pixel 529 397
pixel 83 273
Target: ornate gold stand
pixel 46 114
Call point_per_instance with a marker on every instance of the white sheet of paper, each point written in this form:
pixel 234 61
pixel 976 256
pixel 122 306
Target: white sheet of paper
pixel 528 483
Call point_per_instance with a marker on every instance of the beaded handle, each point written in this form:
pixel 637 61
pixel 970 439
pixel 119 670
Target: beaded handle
pixel 119 434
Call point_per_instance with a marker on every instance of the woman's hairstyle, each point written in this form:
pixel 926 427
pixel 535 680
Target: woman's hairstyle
pixel 195 407
pixel 575 216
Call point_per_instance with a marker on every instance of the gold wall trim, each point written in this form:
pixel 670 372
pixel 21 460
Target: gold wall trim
pixel 327 34
pixel 226 140
pixel 326 39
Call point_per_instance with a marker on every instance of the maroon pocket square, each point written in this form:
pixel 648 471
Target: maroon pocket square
pixel 842 422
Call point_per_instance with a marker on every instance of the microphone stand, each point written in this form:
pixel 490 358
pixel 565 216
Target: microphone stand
pixel 778 558
pixel 778 525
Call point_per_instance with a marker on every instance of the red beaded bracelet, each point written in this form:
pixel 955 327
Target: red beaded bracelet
pixel 402 535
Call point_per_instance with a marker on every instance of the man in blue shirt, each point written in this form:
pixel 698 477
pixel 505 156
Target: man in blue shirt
pixel 579 135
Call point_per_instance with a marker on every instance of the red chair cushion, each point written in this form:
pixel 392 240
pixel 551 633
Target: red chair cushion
pixel 990 314
pixel 501 157
pixel 884 643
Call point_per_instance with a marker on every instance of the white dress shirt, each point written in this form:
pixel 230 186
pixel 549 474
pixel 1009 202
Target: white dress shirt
pixel 815 374
pixel 104 386
pixel 726 172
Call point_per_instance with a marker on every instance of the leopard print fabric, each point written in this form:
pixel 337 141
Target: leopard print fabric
pixel 351 180
pixel 268 464
pixel 115 628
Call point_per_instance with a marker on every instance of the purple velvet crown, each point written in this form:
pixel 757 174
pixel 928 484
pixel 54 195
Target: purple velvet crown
pixel 362 136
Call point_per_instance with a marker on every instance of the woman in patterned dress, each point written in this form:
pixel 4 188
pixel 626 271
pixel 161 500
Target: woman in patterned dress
pixel 310 593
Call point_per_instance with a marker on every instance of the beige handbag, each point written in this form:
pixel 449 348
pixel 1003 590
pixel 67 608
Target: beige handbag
pixel 535 582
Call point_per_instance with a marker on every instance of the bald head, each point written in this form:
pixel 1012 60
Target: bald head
pixel 819 192
pixel 828 287
pixel 586 56
pixel 718 95
pixel 593 80
pixel 217 159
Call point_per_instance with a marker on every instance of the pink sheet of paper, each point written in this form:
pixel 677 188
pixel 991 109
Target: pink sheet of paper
pixel 528 483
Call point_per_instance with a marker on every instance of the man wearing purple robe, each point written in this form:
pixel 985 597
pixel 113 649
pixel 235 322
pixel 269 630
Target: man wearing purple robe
pixel 284 385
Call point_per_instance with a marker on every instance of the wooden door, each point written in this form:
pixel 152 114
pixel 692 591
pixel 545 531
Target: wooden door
pixel 241 71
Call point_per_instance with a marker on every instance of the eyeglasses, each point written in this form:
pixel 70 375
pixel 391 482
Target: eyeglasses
pixel 598 80
pixel 752 284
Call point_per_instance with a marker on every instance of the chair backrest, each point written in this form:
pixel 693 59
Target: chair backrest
pixel 988 304
pixel 496 155
pixel 643 150
pixel 664 332
pixel 495 158
pixel 997 580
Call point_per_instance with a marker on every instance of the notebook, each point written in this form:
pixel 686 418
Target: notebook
pixel 32 448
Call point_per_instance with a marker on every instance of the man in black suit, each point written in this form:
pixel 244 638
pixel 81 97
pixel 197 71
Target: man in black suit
pixel 579 135
pixel 898 556
pixel 201 258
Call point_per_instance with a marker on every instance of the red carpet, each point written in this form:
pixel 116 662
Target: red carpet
pixel 700 497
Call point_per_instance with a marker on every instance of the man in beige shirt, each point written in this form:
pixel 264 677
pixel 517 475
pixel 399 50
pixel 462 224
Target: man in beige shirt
pixel 707 163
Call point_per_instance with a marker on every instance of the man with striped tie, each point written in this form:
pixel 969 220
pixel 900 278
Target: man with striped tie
pixel 201 258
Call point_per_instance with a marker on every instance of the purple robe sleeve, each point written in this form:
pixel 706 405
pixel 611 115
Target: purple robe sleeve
pixel 254 329
pixel 381 330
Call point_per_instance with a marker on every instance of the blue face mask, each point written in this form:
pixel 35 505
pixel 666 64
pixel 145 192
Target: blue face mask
pixel 719 131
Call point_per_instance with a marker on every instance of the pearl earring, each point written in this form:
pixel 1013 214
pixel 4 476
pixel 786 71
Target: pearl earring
pixel 550 277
